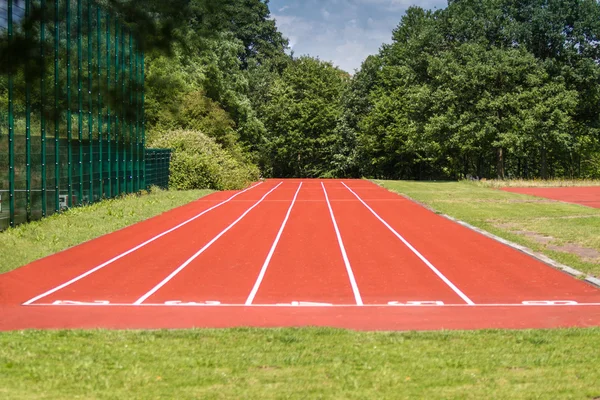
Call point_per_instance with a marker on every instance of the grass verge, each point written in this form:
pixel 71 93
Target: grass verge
pixel 568 233
pixel 299 364
pixel 494 183
pixel 29 242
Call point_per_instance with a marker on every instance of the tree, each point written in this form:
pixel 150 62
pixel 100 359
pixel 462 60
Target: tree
pixel 301 118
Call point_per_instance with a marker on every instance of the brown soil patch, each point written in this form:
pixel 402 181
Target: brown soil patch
pixel 583 252
pixel 536 237
pixel 505 225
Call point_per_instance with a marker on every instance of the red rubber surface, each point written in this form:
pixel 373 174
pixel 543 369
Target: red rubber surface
pixel 586 196
pixel 307 265
pixel 427 284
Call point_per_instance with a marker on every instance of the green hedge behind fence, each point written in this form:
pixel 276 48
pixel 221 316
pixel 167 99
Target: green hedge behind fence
pixel 74 132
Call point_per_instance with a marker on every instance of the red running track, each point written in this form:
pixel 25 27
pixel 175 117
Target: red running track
pixel 585 196
pixel 340 253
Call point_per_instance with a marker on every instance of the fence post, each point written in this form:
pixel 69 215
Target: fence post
pixel 108 121
pixel 137 121
pixel 90 103
pixel 131 115
pixel 117 175
pixel 56 112
pixel 99 55
pixel 28 127
pixel 69 116
pixel 123 113
pixel 11 125
pixel 143 121
pixel 43 102
pixel 79 101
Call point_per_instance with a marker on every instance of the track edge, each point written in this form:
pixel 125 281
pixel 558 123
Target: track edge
pixel 592 280
pixel 538 256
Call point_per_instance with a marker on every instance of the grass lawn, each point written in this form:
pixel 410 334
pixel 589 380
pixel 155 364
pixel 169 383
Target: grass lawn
pixel 29 242
pixel 299 364
pixel 568 233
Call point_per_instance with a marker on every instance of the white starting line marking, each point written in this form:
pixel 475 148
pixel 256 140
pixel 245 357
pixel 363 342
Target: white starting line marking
pixel 391 304
pixel 416 303
pixel 192 303
pixel 550 303
pixel 81 303
pixel 305 304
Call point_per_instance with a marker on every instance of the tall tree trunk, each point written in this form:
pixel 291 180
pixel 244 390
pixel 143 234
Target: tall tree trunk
pixel 544 170
pixel 500 164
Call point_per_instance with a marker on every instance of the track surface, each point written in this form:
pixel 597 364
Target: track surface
pixel 295 253
pixel 586 196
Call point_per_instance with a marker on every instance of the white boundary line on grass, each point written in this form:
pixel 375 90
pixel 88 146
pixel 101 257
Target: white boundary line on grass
pixel 355 290
pixel 263 270
pixel 202 250
pixel 112 260
pixel 415 251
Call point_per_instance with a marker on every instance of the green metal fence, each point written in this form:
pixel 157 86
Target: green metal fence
pixel 158 162
pixel 74 133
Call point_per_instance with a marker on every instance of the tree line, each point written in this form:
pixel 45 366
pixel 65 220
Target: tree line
pixel 481 88
pixel 486 89
pixel 493 88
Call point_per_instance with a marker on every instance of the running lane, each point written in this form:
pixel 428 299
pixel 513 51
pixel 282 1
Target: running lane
pixel 227 271
pixel 24 283
pixel 585 196
pixel 126 279
pixel 307 265
pixel 385 269
pixel 487 271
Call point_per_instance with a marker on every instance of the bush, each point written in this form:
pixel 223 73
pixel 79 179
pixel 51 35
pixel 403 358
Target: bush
pixel 199 162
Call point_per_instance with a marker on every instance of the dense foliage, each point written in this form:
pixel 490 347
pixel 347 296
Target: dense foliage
pixel 301 114
pixel 204 87
pixel 491 88
pixel 483 88
pixel 199 162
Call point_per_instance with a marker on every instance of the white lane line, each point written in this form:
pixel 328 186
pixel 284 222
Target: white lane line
pixel 112 260
pixel 357 297
pixel 415 251
pixel 202 250
pixel 263 270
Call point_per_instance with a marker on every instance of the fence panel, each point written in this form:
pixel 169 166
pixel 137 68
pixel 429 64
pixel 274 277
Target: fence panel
pixel 158 162
pixel 71 131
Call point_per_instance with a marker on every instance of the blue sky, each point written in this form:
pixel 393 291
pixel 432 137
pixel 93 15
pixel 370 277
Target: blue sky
pixel 342 31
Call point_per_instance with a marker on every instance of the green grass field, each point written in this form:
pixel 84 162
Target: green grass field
pixel 304 363
pixel 567 233
pixel 299 364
